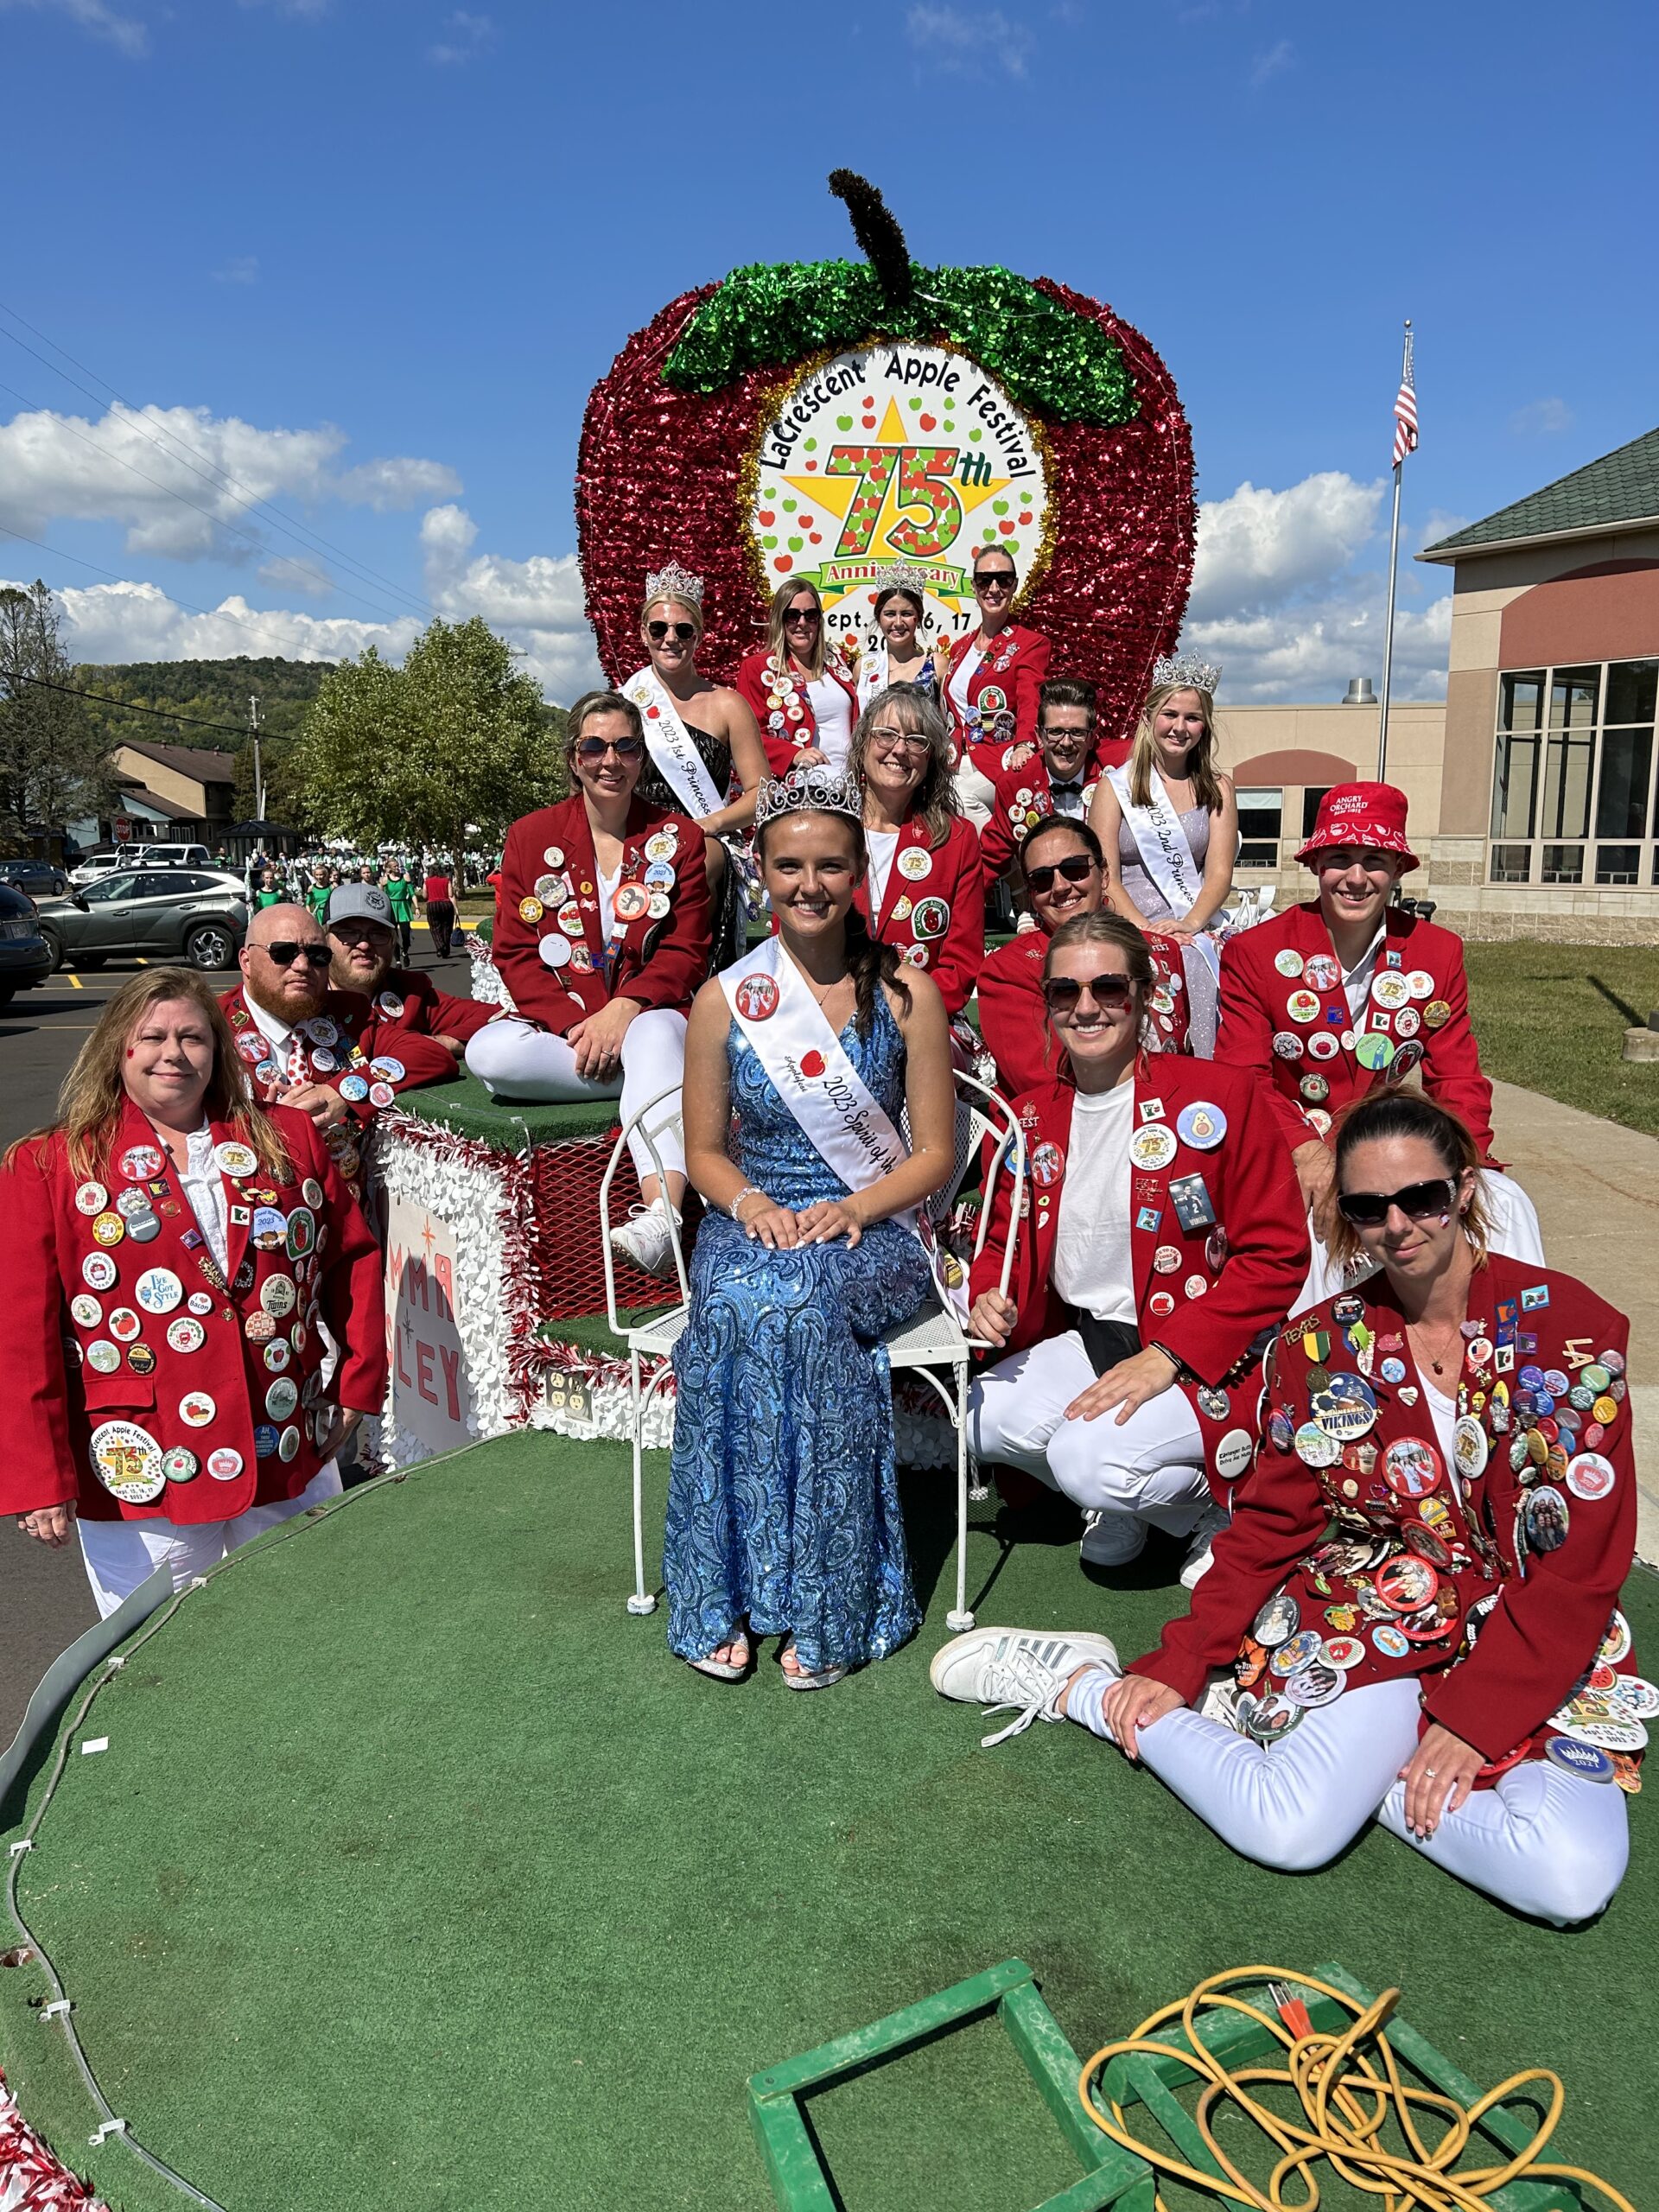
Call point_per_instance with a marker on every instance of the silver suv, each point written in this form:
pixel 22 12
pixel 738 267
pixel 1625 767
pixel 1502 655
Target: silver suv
pixel 164 913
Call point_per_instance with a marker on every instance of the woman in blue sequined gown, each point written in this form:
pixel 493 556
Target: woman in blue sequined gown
pixel 783 1512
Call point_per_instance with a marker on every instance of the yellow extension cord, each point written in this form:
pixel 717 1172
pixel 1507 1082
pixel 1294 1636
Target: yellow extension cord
pixel 1348 2093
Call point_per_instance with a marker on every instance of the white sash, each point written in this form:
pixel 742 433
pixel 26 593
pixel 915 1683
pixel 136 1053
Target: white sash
pixel 672 746
pixel 871 673
pixel 838 1115
pixel 1167 858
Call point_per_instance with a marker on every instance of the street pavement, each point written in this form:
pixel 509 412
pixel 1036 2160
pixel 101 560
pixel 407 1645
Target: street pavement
pixel 44 1600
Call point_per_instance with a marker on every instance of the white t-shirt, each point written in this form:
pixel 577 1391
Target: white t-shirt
pixel 1093 1267
pixel 883 844
pixel 963 670
pixel 832 710
pixel 608 900
pixel 1443 1412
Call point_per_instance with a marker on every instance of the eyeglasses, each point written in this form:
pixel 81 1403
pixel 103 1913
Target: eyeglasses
pixel 683 632
pixel 1063 993
pixel 793 616
pixel 595 748
pixel 895 740
pixel 1077 869
pixel 995 579
pixel 284 951
pixel 1417 1201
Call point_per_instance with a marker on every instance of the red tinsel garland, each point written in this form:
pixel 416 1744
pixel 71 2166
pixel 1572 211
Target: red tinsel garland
pixel 32 2178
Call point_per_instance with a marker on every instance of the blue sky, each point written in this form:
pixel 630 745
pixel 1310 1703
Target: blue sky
pixel 384 251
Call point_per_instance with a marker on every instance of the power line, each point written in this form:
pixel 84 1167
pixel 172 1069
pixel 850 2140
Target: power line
pixel 127 706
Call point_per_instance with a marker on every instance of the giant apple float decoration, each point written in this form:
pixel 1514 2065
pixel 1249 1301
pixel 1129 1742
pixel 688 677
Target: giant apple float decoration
pixel 822 420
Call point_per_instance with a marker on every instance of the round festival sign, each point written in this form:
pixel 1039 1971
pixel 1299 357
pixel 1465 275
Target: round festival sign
pixel 822 420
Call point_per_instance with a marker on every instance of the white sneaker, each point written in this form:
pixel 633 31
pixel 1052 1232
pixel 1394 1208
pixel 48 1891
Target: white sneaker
pixel 647 1238
pixel 1111 1539
pixel 1200 1553
pixel 1022 1668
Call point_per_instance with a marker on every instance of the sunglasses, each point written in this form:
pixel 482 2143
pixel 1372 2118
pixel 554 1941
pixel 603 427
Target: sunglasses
pixel 682 632
pixel 285 952
pixel 995 579
pixel 1062 993
pixel 595 748
pixel 1077 869
pixel 795 615
pixel 1417 1201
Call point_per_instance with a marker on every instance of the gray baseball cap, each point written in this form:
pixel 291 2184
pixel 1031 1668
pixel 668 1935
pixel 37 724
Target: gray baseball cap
pixel 366 902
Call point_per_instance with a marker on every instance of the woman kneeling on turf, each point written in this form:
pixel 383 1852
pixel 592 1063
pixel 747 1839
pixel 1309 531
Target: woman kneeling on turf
pixel 1413 1615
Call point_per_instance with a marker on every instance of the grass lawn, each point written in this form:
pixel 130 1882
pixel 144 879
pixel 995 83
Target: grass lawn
pixel 1553 1017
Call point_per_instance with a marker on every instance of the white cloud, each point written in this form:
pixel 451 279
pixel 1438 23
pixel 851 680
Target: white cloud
pixel 964 45
pixel 124 32
pixel 1543 418
pixel 1278 600
pixel 240 269
pixel 159 472
pixel 536 603
pixel 1272 63
pixel 469 35
pixel 283 573
pixel 134 621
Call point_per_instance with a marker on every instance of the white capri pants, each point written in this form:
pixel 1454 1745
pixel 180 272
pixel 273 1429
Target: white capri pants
pixel 975 793
pixel 121 1555
pixel 513 1058
pixel 1511 1217
pixel 1547 1843
pixel 1150 1466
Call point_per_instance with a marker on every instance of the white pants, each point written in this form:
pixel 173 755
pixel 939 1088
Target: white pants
pixel 975 793
pixel 1150 1466
pixel 120 1554
pixel 515 1059
pixel 1548 1843
pixel 1511 1217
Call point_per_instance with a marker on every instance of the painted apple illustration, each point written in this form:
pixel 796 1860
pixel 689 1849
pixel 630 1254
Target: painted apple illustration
pixel 825 420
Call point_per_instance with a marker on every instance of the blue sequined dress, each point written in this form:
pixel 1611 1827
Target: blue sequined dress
pixel 783 1497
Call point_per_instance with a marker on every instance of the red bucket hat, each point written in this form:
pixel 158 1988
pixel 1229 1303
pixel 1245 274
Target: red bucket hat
pixel 1369 815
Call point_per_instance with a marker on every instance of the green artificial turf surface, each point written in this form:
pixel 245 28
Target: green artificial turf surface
pixel 417 1874
pixel 464 1104
pixel 1553 1018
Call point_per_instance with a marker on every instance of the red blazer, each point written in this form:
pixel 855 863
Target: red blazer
pixel 1022 801
pixel 365 1054
pixel 781 705
pixel 1258 1031
pixel 934 913
pixel 54 1227
pixel 1292 1522
pixel 1212 1298
pixel 660 960
pixel 1013 1020
pixel 410 1000
pixel 1007 682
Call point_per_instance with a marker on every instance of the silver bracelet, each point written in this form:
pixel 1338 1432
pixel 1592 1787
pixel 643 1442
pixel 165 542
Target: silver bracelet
pixel 748 1191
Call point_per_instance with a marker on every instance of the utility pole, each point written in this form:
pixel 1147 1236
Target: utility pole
pixel 258 771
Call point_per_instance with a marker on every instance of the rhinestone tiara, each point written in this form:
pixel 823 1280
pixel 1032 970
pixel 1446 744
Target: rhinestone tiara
pixel 674 582
pixel 1187 671
pixel 817 789
pixel 900 576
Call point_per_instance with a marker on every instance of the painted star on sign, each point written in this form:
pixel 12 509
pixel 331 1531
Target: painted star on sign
pixel 868 512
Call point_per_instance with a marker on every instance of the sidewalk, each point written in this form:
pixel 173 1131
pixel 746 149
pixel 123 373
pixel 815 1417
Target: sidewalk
pixel 1596 1187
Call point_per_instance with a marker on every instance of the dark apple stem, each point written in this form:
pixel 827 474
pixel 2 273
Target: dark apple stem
pixel 879 234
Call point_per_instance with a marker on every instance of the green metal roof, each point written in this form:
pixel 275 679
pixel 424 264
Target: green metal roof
pixel 1622 486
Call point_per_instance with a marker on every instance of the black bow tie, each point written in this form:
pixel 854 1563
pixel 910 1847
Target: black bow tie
pixel 1056 789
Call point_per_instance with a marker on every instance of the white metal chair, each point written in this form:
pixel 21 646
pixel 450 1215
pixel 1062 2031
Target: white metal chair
pixel 932 1338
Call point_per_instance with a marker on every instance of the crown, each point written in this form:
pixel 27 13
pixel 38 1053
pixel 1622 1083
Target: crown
pixel 818 788
pixel 674 582
pixel 1187 671
pixel 900 576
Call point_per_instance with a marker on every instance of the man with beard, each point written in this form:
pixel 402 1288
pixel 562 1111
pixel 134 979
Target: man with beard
pixel 363 939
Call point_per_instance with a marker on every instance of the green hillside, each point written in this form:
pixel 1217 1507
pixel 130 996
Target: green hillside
pixel 209 690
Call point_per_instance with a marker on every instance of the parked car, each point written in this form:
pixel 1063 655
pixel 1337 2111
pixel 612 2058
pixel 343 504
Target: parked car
pixel 156 914
pixel 96 865
pixel 25 956
pixel 36 879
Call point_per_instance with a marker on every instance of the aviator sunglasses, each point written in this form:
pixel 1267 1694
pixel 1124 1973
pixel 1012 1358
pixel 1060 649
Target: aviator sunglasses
pixel 1076 867
pixel 1062 993
pixel 1417 1201
pixel 284 951
pixel 682 632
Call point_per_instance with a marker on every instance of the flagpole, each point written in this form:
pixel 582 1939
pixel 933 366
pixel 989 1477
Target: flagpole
pixel 1393 565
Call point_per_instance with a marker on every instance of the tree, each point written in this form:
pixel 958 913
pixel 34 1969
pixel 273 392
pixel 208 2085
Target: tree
pixel 455 737
pixel 54 767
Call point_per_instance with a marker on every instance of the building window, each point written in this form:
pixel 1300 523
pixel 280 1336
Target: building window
pixel 1312 799
pixel 1573 760
pixel 1260 816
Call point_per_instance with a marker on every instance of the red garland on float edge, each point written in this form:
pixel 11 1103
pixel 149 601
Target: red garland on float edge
pixel 658 479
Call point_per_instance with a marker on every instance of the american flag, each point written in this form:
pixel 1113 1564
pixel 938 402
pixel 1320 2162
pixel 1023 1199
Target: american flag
pixel 1405 409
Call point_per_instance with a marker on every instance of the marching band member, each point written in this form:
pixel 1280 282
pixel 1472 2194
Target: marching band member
pixel 1064 876
pixel 922 892
pixel 783 1510
pixel 896 655
pixel 1349 994
pixel 363 939
pixel 327 1052
pixel 992 680
pixel 176 1253
pixel 1414 1614
pixel 1168 823
pixel 1165 1238
pixel 1058 778
pixel 799 694
pixel 601 935
pixel 709 768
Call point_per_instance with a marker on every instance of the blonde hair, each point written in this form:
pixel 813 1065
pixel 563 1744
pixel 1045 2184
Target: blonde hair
pixel 935 799
pixel 1200 761
pixel 1382 1116
pixel 92 1101
pixel 777 640
pixel 692 612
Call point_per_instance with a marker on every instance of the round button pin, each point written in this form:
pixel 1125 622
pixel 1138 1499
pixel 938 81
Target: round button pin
pixel 223 1464
pixel 196 1409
